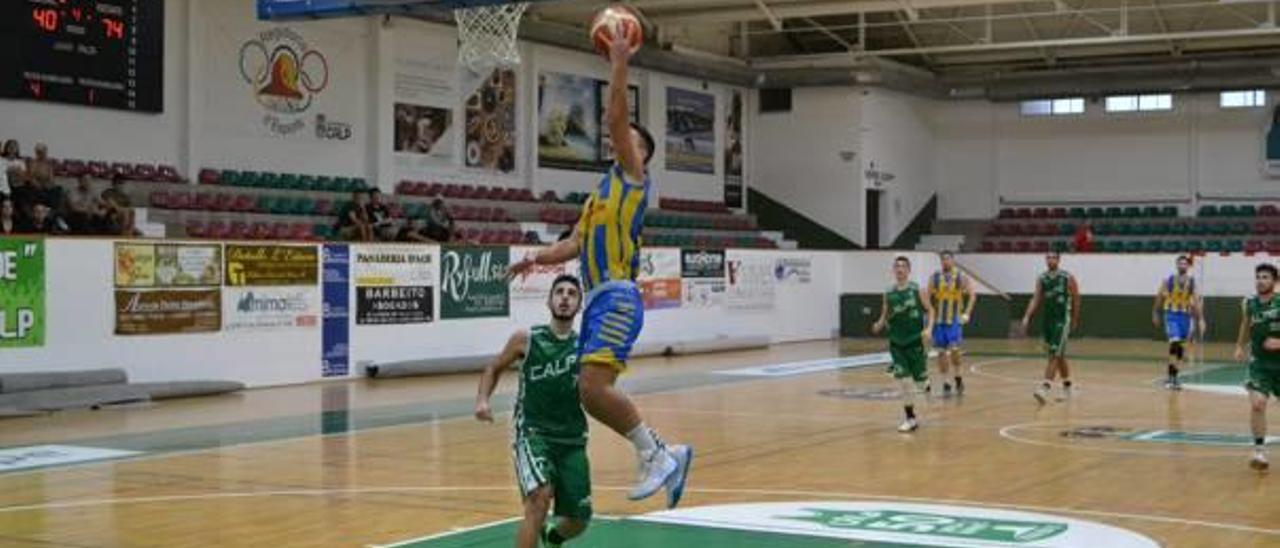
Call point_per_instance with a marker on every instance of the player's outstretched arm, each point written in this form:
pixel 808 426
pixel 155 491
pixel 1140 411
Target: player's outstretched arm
pixel 559 252
pixel 514 350
pixel 619 115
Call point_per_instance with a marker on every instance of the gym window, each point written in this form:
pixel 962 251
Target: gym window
pixel 1140 103
pixel 1053 107
pixel 1243 99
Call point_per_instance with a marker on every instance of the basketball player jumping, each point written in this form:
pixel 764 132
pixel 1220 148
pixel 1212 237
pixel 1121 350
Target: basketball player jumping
pixel 1057 291
pixel 905 310
pixel 1260 326
pixel 1178 298
pixel 952 296
pixel 606 241
pixel 550 430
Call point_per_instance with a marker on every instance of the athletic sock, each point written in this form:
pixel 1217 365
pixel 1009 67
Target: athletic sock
pixel 1173 371
pixel 911 411
pixel 553 536
pixel 959 382
pixel 1066 385
pixel 1259 442
pixel 644 439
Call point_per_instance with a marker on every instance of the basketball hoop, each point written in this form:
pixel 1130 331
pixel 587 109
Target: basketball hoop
pixel 487 35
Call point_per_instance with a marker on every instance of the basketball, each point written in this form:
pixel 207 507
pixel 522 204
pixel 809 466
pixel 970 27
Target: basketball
pixel 615 18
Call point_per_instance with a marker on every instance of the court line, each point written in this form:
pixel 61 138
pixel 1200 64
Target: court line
pixel 704 490
pixel 1006 433
pixel 449 533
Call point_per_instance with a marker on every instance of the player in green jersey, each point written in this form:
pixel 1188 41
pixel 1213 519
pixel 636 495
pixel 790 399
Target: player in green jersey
pixel 907 313
pixel 549 427
pixel 1059 296
pixel 1260 328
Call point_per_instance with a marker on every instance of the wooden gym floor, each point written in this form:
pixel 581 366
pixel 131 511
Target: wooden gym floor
pixel 377 463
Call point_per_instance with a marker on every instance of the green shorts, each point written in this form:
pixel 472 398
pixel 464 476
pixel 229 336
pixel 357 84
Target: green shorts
pixel 1264 380
pixel 1055 337
pixel 562 466
pixel 909 361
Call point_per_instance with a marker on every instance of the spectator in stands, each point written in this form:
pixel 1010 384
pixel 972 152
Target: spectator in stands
pixel 1084 238
pixel 440 225
pixel 379 217
pixel 8 222
pixel 40 168
pixel 84 208
pixel 353 220
pixel 42 221
pixel 412 232
pixel 13 170
pixel 118 218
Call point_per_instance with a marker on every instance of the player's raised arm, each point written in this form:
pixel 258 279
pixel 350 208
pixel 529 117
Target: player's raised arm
pixel 619 120
pixel 513 351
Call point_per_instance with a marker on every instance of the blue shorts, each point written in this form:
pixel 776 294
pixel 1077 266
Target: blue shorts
pixel 1177 326
pixel 947 335
pixel 610 324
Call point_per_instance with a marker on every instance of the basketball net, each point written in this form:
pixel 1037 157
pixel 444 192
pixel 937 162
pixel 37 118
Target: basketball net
pixel 487 35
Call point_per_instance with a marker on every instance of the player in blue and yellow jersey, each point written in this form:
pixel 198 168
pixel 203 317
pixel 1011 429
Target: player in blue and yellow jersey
pixel 953 297
pixel 607 243
pixel 1179 299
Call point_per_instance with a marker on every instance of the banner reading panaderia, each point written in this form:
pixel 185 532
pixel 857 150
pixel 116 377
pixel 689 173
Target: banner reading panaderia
pixel 473 282
pixel 394 284
pixel 22 282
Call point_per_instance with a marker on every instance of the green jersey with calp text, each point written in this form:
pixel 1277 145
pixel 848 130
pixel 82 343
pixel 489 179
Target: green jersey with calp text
pixel 547 405
pixel 906 314
pixel 1264 323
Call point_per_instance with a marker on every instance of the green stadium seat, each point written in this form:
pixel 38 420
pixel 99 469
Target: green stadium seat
pixel 1238 229
pixel 361 184
pixel 1228 211
pixel 1214 246
pixel 1151 211
pixel 1172 246
pixel 1235 246
pixel 282 206
pixel 1096 213
pixel 269 180
pixel 1208 211
pixel 250 178
pixel 1221 229
pixel 1200 229
pixel 322 182
pixel 1133 246
pixel 264 204
pixel 230 177
pixel 1078 213
pixel 1060 246
pixel 1142 229
pixel 1153 246
pixel 1179 228
pixel 1066 229
pixel 322 231
pixel 1124 229
pixel 1132 211
pixel 287 180
pixel 1159 229
pixel 1194 246
pixel 1169 211
pixel 1114 212
pixel 1104 229
pixel 304 182
pixel 303 206
pixel 1248 211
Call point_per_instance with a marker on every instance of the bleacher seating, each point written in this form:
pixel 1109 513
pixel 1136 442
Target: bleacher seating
pixel 1216 228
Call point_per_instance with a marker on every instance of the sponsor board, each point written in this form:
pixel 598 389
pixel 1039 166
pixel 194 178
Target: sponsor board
pixel 473 282
pixel 167 265
pixel 40 456
pixel 392 305
pixel 535 284
pixel 262 308
pixel 22 293
pixel 910 524
pixel 793 270
pixel 161 311
pixel 750 283
pixel 394 265
pixel 335 335
pixel 257 265
pixel 659 278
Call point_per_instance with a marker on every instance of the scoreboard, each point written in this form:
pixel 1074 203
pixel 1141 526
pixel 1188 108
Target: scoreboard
pixel 100 53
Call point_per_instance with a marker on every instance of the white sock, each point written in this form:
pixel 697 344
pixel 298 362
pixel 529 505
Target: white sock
pixel 643 439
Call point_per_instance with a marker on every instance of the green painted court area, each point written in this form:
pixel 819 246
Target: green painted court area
pixel 1224 375
pixel 624 533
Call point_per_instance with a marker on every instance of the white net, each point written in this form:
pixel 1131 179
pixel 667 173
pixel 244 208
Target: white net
pixel 487 35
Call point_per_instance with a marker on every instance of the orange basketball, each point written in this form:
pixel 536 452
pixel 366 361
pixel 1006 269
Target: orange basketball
pixel 614 19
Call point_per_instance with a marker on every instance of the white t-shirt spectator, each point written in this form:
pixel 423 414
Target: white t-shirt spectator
pixel 6 186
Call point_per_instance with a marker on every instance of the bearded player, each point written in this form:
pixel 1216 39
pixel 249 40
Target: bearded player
pixel 606 242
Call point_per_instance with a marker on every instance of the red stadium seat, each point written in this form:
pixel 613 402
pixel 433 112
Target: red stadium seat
pixel 217 230
pixel 1022 246
pixel 1040 246
pixel 159 200
pixel 549 196
pixel 146 172
pixel 1261 228
pixel 434 190
pixel 1253 246
pixel 169 174
pixel 205 201
pixel 1269 210
pixel 239 230
pixel 195 229
pixel 260 231
pixel 404 187
pixel 987 246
